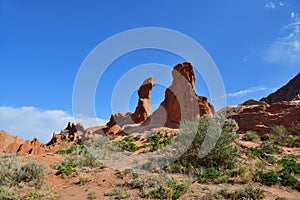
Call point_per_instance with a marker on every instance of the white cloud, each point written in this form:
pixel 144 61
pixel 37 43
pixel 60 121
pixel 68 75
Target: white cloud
pixel 270 5
pixel 293 15
pixel 282 4
pixel 247 91
pixel 286 50
pixel 29 122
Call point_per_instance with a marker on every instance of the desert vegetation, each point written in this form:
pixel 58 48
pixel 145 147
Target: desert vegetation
pixel 22 178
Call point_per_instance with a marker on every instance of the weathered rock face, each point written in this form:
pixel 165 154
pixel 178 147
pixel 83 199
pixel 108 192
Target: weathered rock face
pixel 33 147
pixel 260 116
pixel 9 141
pixel 181 101
pixel 70 133
pixel 143 109
pixel 289 92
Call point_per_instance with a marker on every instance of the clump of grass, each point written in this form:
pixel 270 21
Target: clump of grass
pixel 247 193
pixel 83 179
pixel 118 193
pixel 251 136
pixel 126 145
pixel 161 187
pixel 92 196
pixel 156 141
pixel 77 159
pixel 71 149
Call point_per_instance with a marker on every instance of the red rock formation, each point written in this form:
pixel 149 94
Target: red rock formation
pixel 288 92
pixel 70 134
pixel 10 142
pixel 181 101
pixel 260 116
pixel 143 109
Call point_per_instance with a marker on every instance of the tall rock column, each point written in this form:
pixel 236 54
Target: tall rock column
pixel 143 108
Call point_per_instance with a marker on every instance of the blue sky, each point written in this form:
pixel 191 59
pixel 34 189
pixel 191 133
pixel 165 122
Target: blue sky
pixel 254 43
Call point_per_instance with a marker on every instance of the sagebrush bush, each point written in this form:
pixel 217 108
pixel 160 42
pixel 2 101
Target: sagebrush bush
pixel 251 136
pixel 15 171
pixel 161 187
pixel 247 193
pixel 80 157
pixel 222 154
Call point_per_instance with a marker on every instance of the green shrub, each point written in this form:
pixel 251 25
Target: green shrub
pixel 280 198
pixel 137 137
pixel 92 196
pixel 280 133
pixel 161 187
pixel 15 170
pixel 209 174
pixel 287 179
pixel 64 169
pixel 118 193
pixel 290 165
pixel 255 152
pixel 79 148
pixel 251 136
pixel 270 147
pixel 247 193
pixel 128 146
pixel 294 142
pixel 267 178
pixel 222 155
pixel 79 158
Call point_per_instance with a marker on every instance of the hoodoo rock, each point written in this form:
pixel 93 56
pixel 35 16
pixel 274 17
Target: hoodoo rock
pixel 143 109
pixel 289 92
pixel 181 100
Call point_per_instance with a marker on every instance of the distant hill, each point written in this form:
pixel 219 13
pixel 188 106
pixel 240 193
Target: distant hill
pixel 289 92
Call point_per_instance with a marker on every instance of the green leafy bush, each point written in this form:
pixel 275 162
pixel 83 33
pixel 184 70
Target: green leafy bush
pixel 270 147
pixel 80 148
pixel 209 174
pixel 267 178
pixel 287 179
pixel 290 166
pixel 222 155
